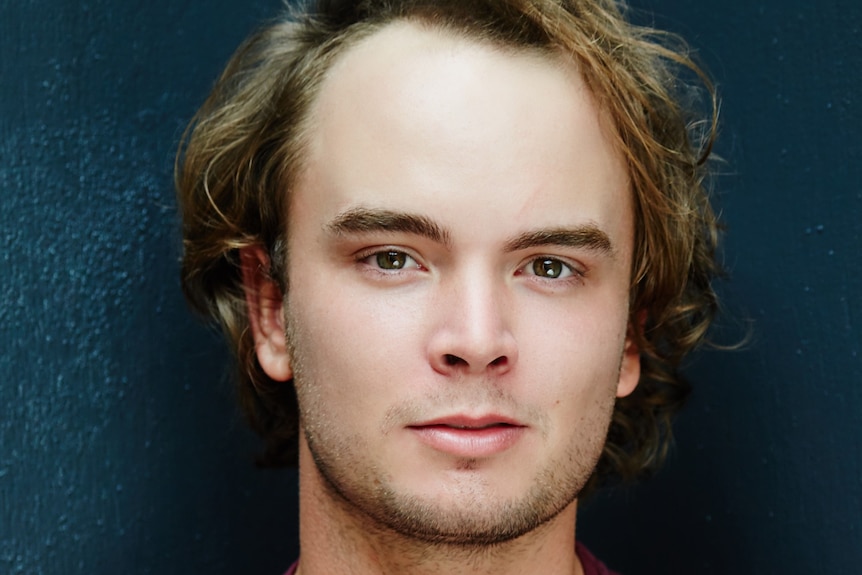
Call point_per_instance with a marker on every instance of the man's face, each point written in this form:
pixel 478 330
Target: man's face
pixel 460 251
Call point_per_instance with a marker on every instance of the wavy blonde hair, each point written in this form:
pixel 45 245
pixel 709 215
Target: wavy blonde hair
pixel 241 153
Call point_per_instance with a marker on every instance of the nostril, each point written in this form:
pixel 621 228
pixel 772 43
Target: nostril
pixel 453 360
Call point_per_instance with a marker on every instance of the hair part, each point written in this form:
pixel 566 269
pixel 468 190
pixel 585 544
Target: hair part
pixel 243 151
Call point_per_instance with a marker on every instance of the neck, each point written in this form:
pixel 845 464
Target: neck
pixel 336 538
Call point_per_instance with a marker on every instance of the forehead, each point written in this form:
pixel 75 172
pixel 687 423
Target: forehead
pixel 414 114
pixel 415 70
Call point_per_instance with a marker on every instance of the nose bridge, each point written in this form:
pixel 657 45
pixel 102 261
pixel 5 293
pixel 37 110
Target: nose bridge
pixel 475 331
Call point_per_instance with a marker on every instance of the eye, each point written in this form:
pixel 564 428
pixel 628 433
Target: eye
pixel 549 268
pixel 390 260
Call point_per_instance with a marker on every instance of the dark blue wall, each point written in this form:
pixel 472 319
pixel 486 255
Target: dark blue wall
pixel 767 474
pixel 120 448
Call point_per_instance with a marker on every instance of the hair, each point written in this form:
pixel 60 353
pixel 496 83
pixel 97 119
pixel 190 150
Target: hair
pixel 243 150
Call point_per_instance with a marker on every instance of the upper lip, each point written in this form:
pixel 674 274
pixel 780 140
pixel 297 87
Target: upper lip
pixel 469 422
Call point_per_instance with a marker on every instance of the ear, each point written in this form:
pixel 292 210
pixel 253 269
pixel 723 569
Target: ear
pixel 630 365
pixel 264 302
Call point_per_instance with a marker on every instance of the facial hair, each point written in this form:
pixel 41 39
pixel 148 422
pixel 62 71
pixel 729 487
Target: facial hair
pixel 473 517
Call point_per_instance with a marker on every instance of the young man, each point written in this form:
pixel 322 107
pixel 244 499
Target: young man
pixel 460 249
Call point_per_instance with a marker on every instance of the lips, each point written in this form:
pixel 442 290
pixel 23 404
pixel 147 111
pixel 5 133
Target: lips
pixel 474 426
pixel 470 437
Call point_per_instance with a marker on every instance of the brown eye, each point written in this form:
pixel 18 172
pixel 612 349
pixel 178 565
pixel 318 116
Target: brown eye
pixel 392 260
pixel 549 268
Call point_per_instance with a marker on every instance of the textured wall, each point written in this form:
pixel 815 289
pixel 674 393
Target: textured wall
pixel 767 474
pixel 120 449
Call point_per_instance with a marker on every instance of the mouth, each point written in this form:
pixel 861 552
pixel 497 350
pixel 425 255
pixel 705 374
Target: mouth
pixel 474 427
pixel 470 437
pixel 468 422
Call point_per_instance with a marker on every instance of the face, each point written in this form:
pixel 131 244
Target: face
pixel 460 250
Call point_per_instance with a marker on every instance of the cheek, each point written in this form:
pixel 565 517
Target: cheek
pixel 347 350
pixel 573 362
pixel 584 336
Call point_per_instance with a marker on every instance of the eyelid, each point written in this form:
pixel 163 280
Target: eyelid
pixel 367 253
pixel 578 270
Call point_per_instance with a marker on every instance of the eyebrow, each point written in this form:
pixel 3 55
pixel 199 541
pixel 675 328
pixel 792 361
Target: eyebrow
pixel 361 220
pixel 365 220
pixel 587 236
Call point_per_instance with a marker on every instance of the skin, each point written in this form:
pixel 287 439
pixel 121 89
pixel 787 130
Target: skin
pixel 460 252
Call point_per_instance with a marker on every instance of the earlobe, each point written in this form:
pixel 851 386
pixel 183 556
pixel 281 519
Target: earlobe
pixel 630 366
pixel 264 303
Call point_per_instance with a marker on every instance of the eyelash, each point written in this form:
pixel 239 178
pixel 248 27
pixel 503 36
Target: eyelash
pixel 367 257
pixel 570 273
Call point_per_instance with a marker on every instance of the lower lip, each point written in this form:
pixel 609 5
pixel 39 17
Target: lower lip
pixel 472 443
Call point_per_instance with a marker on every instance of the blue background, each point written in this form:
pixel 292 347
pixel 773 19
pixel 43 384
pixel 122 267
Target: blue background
pixel 121 450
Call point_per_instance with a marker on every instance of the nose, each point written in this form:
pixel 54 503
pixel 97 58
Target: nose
pixel 472 331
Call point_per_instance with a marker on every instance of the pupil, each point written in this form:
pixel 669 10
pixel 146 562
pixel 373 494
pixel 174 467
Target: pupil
pixel 390 260
pixel 548 268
